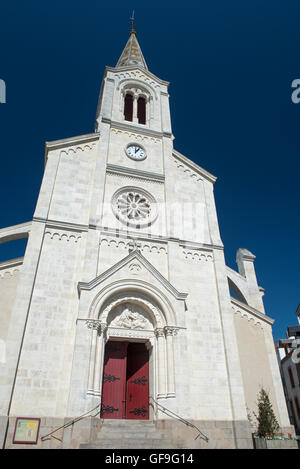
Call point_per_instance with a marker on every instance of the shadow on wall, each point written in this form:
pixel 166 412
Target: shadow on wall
pixel 236 292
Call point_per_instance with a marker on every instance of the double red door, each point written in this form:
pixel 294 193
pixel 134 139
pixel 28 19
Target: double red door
pixel 125 386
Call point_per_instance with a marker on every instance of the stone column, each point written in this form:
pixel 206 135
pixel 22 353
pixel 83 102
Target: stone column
pixel 151 108
pixel 147 110
pixel 134 114
pixel 92 325
pixel 99 357
pixel 170 332
pixel 161 362
pixel 96 357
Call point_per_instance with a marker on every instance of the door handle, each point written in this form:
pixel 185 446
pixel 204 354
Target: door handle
pixel 130 397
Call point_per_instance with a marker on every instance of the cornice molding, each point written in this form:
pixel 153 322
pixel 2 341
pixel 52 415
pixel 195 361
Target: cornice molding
pixel 200 246
pixel 129 68
pixel 54 144
pixel 122 170
pixel 135 128
pixel 125 234
pixel 61 225
pixel 11 263
pixel 194 167
pixel 254 312
pixel 68 142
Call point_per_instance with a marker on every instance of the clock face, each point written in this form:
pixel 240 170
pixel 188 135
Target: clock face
pixel 136 152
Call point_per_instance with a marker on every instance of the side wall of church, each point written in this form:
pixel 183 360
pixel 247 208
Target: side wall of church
pixel 9 277
pixel 259 365
pixel 254 361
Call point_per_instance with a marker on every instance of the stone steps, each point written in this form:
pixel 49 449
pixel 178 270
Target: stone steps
pixel 143 443
pixel 129 434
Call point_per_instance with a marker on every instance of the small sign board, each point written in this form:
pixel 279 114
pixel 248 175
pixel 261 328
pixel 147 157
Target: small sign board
pixel 26 430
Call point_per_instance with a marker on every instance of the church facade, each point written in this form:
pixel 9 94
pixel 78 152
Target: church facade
pixel 121 307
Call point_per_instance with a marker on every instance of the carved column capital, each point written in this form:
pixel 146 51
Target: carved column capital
pixel 159 332
pixel 170 330
pixel 97 325
pixel 103 327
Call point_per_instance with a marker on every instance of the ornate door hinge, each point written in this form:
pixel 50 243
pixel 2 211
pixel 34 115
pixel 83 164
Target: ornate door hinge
pixel 107 409
pixel 110 378
pixel 139 411
pixel 143 380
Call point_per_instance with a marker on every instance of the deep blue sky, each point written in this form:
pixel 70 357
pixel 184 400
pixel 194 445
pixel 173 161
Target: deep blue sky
pixel 230 65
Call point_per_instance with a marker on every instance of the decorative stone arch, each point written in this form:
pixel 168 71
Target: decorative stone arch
pixel 237 290
pixel 138 89
pixel 153 324
pixel 128 83
pixel 12 233
pixel 141 287
pixel 158 320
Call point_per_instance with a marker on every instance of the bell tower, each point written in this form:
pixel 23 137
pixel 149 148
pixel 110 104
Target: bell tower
pixel 134 100
pixel 134 124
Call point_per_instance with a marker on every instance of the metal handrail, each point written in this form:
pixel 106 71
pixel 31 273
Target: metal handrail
pixel 160 407
pixel 71 422
pixel 172 414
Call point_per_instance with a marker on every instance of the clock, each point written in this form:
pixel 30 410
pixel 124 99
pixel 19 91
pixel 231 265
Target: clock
pixel 136 152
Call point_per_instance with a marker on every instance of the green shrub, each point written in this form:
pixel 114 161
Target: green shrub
pixel 266 420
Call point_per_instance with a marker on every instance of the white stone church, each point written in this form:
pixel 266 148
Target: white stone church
pixel 119 318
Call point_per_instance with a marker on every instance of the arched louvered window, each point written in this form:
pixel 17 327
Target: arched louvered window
pixel 141 110
pixel 128 107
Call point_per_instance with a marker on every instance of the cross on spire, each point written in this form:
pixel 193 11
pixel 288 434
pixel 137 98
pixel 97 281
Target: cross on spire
pixel 132 54
pixel 132 22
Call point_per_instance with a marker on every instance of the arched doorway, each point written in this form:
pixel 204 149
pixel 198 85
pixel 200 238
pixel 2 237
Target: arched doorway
pixel 125 383
pixel 132 317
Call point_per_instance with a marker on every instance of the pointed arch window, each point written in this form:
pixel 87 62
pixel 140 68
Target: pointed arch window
pixel 128 107
pixel 141 110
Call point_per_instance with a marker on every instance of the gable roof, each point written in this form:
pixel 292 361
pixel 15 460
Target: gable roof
pixel 135 254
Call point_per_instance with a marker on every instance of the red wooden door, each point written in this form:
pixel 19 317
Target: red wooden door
pixel 137 395
pixel 114 380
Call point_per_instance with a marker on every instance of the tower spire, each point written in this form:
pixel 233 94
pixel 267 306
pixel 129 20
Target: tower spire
pixel 132 53
pixel 132 22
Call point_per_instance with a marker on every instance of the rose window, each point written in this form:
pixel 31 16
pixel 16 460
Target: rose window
pixel 134 207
